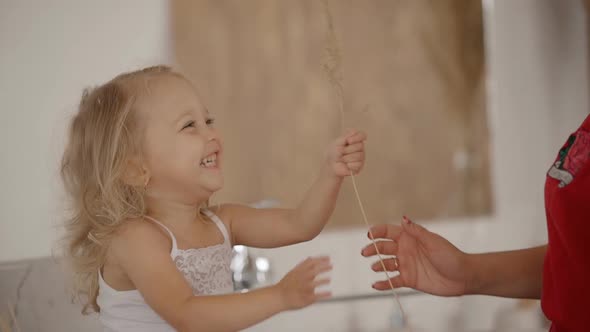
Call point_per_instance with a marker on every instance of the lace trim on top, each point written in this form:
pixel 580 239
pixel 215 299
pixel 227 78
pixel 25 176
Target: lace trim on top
pixel 206 269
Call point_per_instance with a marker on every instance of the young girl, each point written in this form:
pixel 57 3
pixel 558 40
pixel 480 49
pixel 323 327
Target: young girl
pixel 143 159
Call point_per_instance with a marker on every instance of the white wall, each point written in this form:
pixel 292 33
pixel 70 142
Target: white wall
pixel 50 51
pixel 538 60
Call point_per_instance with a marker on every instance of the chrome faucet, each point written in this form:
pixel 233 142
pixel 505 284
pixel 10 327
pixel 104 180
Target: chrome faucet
pixel 248 271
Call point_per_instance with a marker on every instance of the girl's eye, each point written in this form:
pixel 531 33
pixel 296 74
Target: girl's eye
pixel 189 124
pixel 210 121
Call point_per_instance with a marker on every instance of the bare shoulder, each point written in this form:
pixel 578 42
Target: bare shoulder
pixel 138 236
pixel 227 212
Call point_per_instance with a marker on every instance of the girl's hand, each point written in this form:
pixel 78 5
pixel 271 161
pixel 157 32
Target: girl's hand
pixel 298 288
pixel 347 154
pixel 426 261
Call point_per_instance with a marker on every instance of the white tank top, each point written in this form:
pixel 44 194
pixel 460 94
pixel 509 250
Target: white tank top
pixel 207 270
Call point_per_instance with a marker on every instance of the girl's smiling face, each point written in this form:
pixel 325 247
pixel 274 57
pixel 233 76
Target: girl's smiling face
pixel 182 150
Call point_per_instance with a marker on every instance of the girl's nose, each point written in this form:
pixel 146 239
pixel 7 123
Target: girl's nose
pixel 210 134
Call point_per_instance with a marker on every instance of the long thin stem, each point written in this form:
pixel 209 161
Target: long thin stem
pixel 332 68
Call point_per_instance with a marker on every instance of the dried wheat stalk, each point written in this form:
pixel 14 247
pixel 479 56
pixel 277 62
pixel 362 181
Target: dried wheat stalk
pixel 332 66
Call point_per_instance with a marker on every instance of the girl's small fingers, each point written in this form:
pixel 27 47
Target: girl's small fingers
pixel 310 263
pixel 303 263
pixel 322 268
pixel 341 141
pixel 357 137
pixel 321 282
pixel 323 295
pixel 338 151
pixel 321 258
pixel 353 148
pixel 353 157
pixel 355 167
pixel 349 132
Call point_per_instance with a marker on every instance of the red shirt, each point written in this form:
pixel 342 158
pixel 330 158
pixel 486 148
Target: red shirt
pixel 566 272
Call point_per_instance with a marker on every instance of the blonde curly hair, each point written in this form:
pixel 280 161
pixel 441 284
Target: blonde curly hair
pixel 103 135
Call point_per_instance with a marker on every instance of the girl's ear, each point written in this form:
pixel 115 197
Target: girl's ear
pixel 136 174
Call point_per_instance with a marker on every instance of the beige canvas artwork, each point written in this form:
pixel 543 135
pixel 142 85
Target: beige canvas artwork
pixel 413 74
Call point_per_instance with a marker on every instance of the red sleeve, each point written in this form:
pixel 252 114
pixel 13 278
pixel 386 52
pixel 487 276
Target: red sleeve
pixel 566 277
